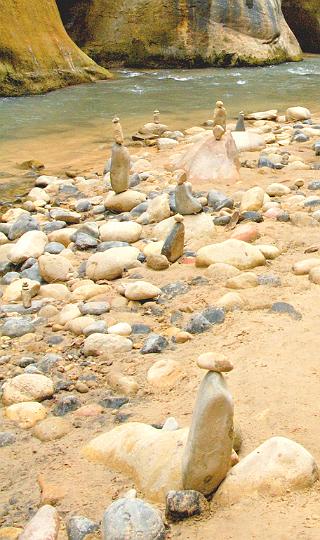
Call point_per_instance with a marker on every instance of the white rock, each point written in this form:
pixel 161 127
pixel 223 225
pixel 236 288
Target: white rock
pixel 234 252
pixel 122 231
pixel 44 525
pixel 38 194
pixel 106 344
pixel 124 202
pixel 297 113
pixel 141 290
pixel 30 244
pixel 120 329
pixel 27 387
pixel 217 362
pixel 110 264
pixel 247 141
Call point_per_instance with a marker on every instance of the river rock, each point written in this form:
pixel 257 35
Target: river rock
pixel 268 251
pixel 79 324
pixel 185 504
pixel 68 312
pixel 157 262
pixel 63 236
pixel 111 264
pixel 120 329
pixel 314 275
pixel 120 168
pixel 302 219
pixel 248 232
pixel 106 344
pixel 154 344
pixel 234 252
pixel 246 280
pixel 159 208
pixel 248 141
pixel 23 224
pixel 230 302
pixel 124 202
pixel 185 202
pixel 63 214
pixel 51 429
pixel 78 527
pixel 26 414
pixel 164 373
pixel 221 271
pixel 94 308
pixel 27 387
pixel 141 290
pixel 216 362
pixel 277 190
pixel 174 243
pixel 17 327
pixel 252 200
pixel 206 457
pixel 302 268
pixel 54 268
pixel 12 292
pixel 122 231
pixel 55 290
pixel 275 467
pixel 30 244
pixel 88 290
pixel 44 525
pixel 297 113
pixel 130 519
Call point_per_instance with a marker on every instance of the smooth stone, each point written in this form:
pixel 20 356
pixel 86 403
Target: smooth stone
pixel 32 273
pixel 164 373
pixel 314 275
pixel 185 202
pixel 38 194
pixel 7 438
pixel 248 232
pixel 159 208
pixel 216 362
pixel 44 525
pixel 221 221
pixel 78 527
pixel 214 315
pixel 268 251
pixel 132 519
pixel 104 246
pixel 120 168
pixel 88 290
pixel 277 466
pixel 302 268
pixel 24 223
pixel 52 429
pixel 65 405
pixel 68 313
pixel 185 504
pixel 58 291
pixel 157 262
pixel 315 185
pixel 154 344
pixel 54 248
pixel 106 344
pixel 62 214
pixel 27 387
pixel 17 327
pixel 124 202
pixel 111 264
pixel 297 113
pixel 9 277
pixel 83 205
pixel 125 231
pixel 221 271
pixel 85 241
pixel 141 290
pixel 262 115
pixel 301 219
pixel 231 301
pixel 174 243
pixel 218 200
pixel 52 226
pixel 94 308
pixel 284 308
pixel 277 190
pixel 79 324
pixel 246 280
pixel 252 200
pixel 26 415
pixel 30 244
pixel 206 457
pixel 63 236
pixel 54 268
pixel 234 252
pixel 120 329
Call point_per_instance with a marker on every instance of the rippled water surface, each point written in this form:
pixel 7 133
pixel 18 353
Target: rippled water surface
pixel 183 96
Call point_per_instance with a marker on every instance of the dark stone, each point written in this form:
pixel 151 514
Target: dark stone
pixel 176 288
pixel 185 504
pixel 256 217
pixel 214 315
pixel 24 223
pixel 131 519
pixel 312 204
pixel 82 269
pixel 54 340
pixel 154 344
pixel 104 246
pixel 283 307
pixel 315 185
pixel 85 241
pixel 25 361
pixel 218 200
pixel 174 243
pixel 273 281
pixel 141 258
pixel 113 402
pixel 198 324
pixel 199 280
pixel 83 206
pixel 18 308
pixel 317 148
pixel 139 209
pixel 176 317
pixel 52 226
pixel 62 384
pixel 28 263
pixel 54 248
pixel 9 277
pixel 32 273
pixel 284 217
pixel 94 308
pixel 78 527
pixel 48 362
pixel 139 328
pixel 66 405
pixel 6 438
pixel 265 162
pixel 134 180
pixel 221 221
pixel 5 267
pixel 91 228
pixel 300 137
pixel 4 360
pixel 17 327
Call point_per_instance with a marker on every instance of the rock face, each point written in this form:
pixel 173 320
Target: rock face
pixel 188 33
pixel 36 53
pixel 303 17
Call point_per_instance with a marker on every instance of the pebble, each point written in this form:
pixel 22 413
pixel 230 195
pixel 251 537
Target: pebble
pixel 7 438
pixel 157 262
pixel 217 362
pixel 141 290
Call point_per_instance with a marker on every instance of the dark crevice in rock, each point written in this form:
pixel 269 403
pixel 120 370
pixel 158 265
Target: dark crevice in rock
pixel 303 17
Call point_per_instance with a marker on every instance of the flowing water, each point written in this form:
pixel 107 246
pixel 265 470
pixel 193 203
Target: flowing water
pixel 65 127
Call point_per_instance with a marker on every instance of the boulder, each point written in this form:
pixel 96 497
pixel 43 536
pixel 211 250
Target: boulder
pixel 111 264
pixel 297 113
pixel 54 268
pixel 247 141
pixel 234 252
pixel 277 466
pixel 27 387
pixel 30 244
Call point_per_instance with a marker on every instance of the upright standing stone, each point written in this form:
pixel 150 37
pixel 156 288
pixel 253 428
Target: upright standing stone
pixel 44 525
pixel 206 458
pixel 218 132
pixel 174 243
pixel 220 115
pixel 156 116
pixel 240 122
pixel 120 161
pixel 186 203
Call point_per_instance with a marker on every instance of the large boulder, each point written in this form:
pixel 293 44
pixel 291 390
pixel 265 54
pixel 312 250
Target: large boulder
pixel 303 17
pixel 209 33
pixel 30 244
pixel 234 252
pixel 36 53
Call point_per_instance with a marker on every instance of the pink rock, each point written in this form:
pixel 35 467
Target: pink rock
pixel 273 213
pixel 43 526
pixel 248 232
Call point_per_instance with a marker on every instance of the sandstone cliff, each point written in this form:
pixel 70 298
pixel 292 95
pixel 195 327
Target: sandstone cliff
pixel 303 17
pixel 36 54
pixel 181 32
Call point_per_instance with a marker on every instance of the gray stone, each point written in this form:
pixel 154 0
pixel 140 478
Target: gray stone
pixel 113 402
pixel 154 344
pixel 218 200
pixel 9 277
pixel 174 243
pixel 131 519
pixel 98 327
pixel 174 289
pixel 185 202
pixel 32 273
pixel 315 185
pixel 284 308
pixel 91 228
pixel 62 214
pixel 256 217
pixel 206 458
pixel 85 241
pixel 221 221
pixel 198 324
pixel 104 246
pixel 139 328
pixel 52 226
pixel 214 315
pixel 66 405
pixel 7 438
pixel 23 224
pixel 83 205
pixel 54 248
pixel 16 327
pixel 140 209
pixel 78 527
pixel 240 126
pixel 120 168
pixel 48 362
pixel 270 280
pixel 94 308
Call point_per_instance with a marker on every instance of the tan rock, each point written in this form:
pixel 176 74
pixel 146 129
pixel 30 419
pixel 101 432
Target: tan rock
pixel 141 290
pixel 44 525
pixel 51 429
pixel 106 344
pixel 120 329
pixel 230 302
pixel 54 268
pixel 12 292
pixel 89 290
pixel 159 208
pixel 30 244
pixel 27 387
pixel 153 248
pixel 50 493
pixel 217 362
pixel 252 199
pixel 302 219
pixel 275 467
pixel 183 337
pixel 27 414
pixel 270 252
pixel 111 264
pixel 124 202
pixel 277 190
pixel 68 313
pixel 77 325
pixel 157 262
pixel 243 281
pixel 303 267
pixel 10 533
pixel 121 231
pixel 234 252
pixel 221 271
pixel 297 113
pixel 63 236
pixel 55 290
pixel 122 383
pixel 314 275
pixel 164 373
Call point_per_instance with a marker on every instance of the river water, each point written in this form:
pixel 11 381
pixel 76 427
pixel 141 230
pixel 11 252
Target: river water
pixel 65 126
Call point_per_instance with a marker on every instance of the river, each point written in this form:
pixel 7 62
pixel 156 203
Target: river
pixel 71 128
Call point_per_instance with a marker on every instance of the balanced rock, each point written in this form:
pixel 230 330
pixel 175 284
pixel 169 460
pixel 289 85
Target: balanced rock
pixel 27 387
pixel 111 264
pixel 30 244
pixel 121 231
pixel 185 202
pixel 217 362
pixel 54 268
pixel 13 291
pixel 174 243
pixel 120 168
pixel 141 290
pixel 44 525
pixel 131 519
pixel 234 252
pixel 275 467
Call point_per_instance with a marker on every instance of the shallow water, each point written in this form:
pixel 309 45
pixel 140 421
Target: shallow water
pixel 65 122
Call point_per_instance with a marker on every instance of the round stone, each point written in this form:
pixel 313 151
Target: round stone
pixel 217 362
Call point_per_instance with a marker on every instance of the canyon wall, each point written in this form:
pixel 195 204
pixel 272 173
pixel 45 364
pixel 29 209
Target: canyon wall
pixel 180 32
pixel 36 54
pixel 303 17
